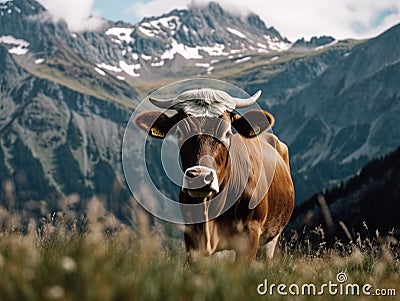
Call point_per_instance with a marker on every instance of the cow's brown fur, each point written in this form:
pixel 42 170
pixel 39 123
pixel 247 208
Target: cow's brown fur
pixel 239 227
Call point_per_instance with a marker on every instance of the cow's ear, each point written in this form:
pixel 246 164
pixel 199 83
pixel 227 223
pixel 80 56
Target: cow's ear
pixel 253 123
pixel 154 123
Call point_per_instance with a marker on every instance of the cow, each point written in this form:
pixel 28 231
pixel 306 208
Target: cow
pixel 233 165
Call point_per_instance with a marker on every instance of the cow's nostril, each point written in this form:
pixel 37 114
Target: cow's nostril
pixel 200 181
pixel 192 173
pixel 209 177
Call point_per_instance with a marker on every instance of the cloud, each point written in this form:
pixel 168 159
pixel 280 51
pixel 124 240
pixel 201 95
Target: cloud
pixel 79 14
pixel 295 19
pixel 156 7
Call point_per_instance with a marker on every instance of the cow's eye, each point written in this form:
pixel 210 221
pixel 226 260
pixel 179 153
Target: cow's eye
pixel 228 134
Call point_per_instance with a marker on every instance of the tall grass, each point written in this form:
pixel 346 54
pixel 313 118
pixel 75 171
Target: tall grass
pixel 101 258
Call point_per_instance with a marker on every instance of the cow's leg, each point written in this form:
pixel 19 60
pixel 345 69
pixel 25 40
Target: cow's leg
pixel 191 254
pixel 188 242
pixel 188 246
pixel 254 237
pixel 270 246
pixel 247 247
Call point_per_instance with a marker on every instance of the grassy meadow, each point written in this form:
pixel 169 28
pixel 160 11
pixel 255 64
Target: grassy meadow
pixel 58 258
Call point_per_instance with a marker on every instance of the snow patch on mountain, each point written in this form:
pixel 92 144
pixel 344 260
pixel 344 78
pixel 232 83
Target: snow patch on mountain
pixel 158 64
pixel 109 68
pixel 18 46
pixel 261 45
pixel 236 32
pixel 130 69
pixel 146 57
pixel 326 45
pixel 242 60
pixel 147 30
pixel 276 44
pixel 172 22
pixel 123 34
pixel 202 65
pixel 185 51
pixel 98 70
pixel 39 61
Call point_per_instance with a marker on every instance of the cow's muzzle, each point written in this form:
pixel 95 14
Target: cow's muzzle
pixel 200 181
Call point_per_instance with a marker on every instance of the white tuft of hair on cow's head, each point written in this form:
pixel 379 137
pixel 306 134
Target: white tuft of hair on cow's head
pixel 205 102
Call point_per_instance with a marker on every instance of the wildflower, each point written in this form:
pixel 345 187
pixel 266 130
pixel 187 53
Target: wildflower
pixel 55 292
pixel 68 264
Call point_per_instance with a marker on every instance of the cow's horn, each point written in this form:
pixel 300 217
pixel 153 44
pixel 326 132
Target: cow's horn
pixel 242 103
pixel 162 104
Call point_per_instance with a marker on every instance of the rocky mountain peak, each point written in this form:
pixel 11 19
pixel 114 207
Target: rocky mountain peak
pixel 211 25
pixel 313 43
pixel 24 7
pixel 200 36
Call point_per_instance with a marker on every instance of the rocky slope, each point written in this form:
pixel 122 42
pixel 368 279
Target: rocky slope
pixel 366 203
pixel 346 117
pixel 55 141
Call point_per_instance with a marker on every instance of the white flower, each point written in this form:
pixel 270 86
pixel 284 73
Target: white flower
pixel 68 264
pixel 55 292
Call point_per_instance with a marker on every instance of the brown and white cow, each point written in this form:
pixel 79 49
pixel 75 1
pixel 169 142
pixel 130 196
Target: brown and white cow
pixel 232 165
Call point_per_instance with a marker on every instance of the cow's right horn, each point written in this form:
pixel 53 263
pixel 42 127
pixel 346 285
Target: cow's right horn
pixel 162 104
pixel 242 103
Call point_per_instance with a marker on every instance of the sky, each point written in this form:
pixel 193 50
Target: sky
pixel 292 18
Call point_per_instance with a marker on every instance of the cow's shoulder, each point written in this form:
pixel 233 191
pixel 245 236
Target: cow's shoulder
pixel 280 147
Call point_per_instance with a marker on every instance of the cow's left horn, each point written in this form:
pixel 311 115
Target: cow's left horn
pixel 242 103
pixel 162 104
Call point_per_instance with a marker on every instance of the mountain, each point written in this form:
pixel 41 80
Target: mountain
pixel 336 105
pixel 61 122
pixel 66 96
pixel 49 50
pixel 367 202
pixel 198 37
pixel 55 141
pixel 346 117
pixel 314 43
